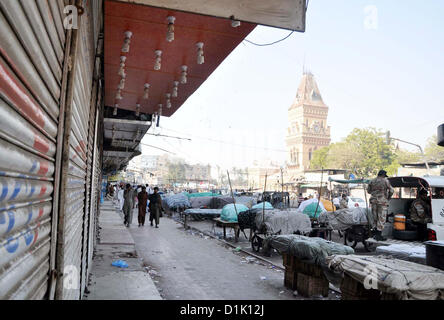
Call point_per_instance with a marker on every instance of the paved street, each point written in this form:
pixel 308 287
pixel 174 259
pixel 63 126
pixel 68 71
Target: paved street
pixel 187 266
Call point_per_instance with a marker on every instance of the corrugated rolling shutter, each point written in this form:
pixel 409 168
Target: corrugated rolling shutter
pixel 94 183
pixel 32 42
pixel 89 165
pixel 76 206
pixel 91 184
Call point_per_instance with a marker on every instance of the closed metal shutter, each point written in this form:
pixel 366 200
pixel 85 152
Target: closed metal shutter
pixel 32 42
pixel 76 214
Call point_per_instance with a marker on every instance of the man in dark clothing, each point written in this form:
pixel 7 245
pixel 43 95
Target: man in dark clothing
pixel 155 206
pixel 142 197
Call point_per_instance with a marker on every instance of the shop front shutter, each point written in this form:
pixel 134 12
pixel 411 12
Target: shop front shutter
pixel 32 42
pixel 75 213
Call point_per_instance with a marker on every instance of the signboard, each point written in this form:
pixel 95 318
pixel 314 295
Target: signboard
pixel 285 14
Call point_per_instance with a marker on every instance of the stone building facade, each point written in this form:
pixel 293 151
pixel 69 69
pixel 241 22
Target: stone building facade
pixel 308 130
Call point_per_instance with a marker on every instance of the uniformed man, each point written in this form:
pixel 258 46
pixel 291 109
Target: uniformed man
pixel 381 191
pixel 420 214
pixel 343 203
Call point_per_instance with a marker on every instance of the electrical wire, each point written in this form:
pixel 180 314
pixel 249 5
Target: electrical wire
pixel 268 44
pixel 147 145
pixel 274 42
pixel 226 142
pixel 161 135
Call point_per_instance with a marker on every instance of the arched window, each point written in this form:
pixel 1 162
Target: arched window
pixel 297 156
pixel 309 154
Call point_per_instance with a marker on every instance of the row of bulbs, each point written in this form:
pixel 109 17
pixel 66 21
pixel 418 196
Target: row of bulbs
pixel 157 66
pixel 122 73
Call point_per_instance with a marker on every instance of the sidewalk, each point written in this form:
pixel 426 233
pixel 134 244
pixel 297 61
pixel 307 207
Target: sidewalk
pixel 116 243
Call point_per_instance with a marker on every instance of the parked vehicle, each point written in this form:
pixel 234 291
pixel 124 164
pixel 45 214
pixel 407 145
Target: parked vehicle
pixel 406 189
pixel 356 202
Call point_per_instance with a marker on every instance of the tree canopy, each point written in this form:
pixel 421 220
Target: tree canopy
pixel 432 151
pixel 363 152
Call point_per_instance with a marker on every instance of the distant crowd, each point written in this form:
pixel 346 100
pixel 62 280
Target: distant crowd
pixel 142 197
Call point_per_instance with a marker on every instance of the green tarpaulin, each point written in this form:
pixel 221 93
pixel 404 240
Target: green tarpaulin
pixel 354 181
pixel 229 213
pixel 268 206
pixel 311 211
pixel 202 194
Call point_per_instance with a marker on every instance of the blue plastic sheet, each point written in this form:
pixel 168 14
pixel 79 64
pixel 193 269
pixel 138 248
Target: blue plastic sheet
pixel 268 206
pixel 120 264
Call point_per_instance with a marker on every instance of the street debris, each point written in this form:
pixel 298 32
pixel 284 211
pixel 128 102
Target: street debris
pixel 263 278
pixel 295 293
pixel 120 264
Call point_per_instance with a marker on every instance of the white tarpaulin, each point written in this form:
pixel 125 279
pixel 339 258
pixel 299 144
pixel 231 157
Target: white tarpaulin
pixel 408 280
pixel 285 221
pixel 343 219
pixel 404 252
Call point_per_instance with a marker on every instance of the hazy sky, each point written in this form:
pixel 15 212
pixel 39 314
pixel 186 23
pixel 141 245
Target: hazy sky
pixel 387 74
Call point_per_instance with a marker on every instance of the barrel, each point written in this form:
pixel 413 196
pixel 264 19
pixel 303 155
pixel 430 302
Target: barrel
pixel 399 223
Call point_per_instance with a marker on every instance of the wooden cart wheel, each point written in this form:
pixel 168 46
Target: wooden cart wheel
pixel 256 243
pixel 347 242
pixel 367 245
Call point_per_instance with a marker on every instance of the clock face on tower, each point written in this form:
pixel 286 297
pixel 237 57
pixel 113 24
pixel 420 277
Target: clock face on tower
pixel 316 127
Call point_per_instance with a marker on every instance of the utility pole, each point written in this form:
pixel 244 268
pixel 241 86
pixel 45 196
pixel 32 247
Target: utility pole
pixel 282 182
pixel 389 138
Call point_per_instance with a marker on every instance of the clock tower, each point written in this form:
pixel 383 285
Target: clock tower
pixel 308 130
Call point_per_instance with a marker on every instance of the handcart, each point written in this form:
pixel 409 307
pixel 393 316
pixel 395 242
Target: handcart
pixel 279 222
pixel 357 232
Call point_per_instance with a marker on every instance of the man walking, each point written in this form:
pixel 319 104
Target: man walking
pixel 142 197
pixel 381 191
pixel 128 205
pixel 155 206
pixel 120 193
pixel 343 203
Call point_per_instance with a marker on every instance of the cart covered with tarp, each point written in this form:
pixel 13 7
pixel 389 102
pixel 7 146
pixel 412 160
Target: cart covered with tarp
pixel 310 250
pixel 273 222
pixel 282 222
pixel 230 212
pixel 177 201
pixel 356 223
pixel 405 280
pixel 343 219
